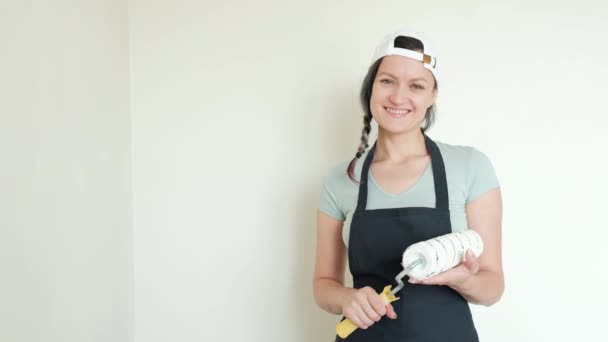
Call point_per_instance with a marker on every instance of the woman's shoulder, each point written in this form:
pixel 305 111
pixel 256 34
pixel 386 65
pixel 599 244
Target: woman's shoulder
pixel 337 178
pixel 454 149
pixel 460 154
pixel 469 165
pixel 337 173
pixel 339 191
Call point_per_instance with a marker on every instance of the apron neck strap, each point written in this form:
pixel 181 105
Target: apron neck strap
pixel 439 176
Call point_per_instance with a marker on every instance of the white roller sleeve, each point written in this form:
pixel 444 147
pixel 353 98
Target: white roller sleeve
pixel 441 253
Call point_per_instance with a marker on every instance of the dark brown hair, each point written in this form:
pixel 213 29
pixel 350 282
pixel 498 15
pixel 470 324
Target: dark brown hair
pixel 366 94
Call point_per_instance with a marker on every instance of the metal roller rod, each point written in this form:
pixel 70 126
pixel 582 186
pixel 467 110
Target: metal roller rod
pixel 406 270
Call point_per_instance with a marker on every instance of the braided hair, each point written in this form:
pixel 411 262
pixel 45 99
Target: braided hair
pixel 366 95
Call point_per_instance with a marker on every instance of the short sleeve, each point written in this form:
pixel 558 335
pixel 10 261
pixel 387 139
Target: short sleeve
pixel 481 175
pixel 328 199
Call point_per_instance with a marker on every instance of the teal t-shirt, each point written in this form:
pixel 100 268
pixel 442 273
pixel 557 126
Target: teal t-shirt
pixel 469 174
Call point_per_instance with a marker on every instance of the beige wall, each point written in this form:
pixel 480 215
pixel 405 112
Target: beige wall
pixel 235 111
pixel 65 216
pixel 240 107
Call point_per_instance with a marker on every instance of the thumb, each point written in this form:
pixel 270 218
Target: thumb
pixel 390 311
pixel 470 261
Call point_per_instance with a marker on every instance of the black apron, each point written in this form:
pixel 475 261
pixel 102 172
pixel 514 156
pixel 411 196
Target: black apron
pixel 378 238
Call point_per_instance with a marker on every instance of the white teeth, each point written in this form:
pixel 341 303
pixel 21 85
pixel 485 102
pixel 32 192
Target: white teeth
pixel 397 111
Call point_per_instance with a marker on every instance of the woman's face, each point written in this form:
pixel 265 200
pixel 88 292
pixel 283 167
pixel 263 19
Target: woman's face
pixel 401 94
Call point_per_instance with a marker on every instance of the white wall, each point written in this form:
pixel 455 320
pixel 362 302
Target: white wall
pixel 240 108
pixel 65 217
pixel 238 111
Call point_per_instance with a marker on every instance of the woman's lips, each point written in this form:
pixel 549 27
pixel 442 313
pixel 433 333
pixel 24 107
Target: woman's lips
pixel 397 112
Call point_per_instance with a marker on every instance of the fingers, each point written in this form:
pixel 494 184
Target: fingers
pixel 453 276
pixel 390 311
pixel 439 279
pixel 358 317
pixel 376 303
pixel 362 316
pixel 367 308
pixel 413 280
pixel 470 262
pixel 369 302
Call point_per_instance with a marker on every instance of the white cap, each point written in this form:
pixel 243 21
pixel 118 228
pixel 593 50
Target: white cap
pixel 428 57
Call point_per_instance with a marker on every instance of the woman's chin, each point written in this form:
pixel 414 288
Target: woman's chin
pixel 398 128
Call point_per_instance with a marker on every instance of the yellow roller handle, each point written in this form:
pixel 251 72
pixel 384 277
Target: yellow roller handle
pixel 346 327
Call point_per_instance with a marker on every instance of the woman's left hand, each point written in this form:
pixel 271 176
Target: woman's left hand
pixel 454 276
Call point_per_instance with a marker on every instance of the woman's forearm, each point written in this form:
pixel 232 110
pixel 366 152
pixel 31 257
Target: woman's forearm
pixel 484 288
pixel 330 294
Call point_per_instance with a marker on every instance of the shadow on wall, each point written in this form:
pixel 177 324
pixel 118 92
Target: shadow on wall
pixel 337 137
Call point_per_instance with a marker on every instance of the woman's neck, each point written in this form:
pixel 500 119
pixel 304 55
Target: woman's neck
pixel 398 148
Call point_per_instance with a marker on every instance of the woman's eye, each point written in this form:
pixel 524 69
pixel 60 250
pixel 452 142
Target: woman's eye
pixel 386 81
pixel 418 86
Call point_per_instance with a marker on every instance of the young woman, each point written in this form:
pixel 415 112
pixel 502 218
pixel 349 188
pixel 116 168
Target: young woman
pixel 404 189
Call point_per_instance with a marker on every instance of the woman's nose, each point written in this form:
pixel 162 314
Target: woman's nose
pixel 399 95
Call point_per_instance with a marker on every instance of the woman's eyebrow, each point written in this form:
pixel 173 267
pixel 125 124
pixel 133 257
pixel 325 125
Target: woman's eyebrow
pixel 413 79
pixel 420 79
pixel 387 74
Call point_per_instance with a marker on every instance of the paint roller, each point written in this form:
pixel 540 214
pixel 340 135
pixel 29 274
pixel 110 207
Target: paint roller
pixel 423 260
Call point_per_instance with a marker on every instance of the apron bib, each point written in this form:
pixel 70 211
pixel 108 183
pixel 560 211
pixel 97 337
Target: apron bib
pixel 378 238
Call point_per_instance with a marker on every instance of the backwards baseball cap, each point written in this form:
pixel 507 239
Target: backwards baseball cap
pixel 428 57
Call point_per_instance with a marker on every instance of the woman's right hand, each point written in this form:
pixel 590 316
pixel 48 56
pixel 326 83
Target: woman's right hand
pixel 364 307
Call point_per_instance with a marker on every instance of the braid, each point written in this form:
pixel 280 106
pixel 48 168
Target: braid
pixel 367 127
pixel 365 96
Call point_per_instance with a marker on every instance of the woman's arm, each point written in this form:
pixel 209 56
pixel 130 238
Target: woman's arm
pixel 362 306
pixel 328 279
pixel 484 215
pixel 479 280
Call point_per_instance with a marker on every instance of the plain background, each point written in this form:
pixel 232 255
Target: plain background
pixel 162 160
pixel 66 255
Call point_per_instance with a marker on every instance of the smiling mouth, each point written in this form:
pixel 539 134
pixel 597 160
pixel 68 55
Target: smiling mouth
pixel 397 112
